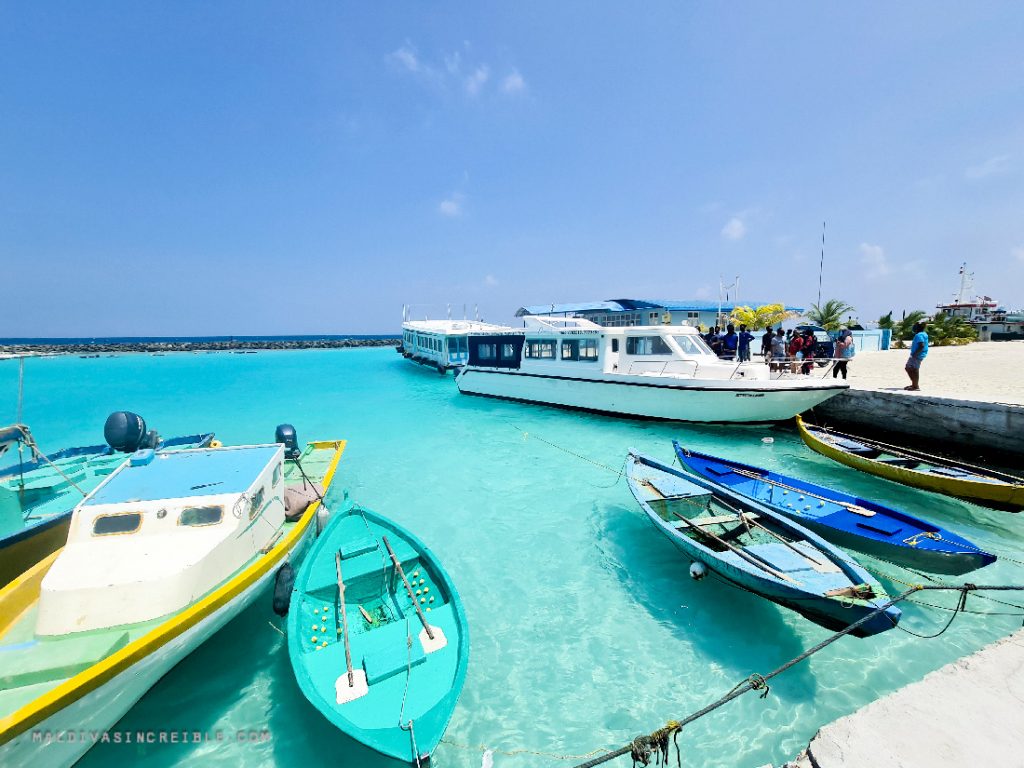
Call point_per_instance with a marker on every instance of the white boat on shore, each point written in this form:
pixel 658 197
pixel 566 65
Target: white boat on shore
pixel 441 344
pixel 160 556
pixel 659 372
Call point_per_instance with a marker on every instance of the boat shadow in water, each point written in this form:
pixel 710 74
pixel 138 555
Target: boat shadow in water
pixel 727 626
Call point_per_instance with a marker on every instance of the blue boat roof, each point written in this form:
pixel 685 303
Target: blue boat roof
pixel 630 305
pixel 180 474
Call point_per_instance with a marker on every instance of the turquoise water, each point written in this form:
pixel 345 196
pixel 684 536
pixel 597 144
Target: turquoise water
pixel 586 629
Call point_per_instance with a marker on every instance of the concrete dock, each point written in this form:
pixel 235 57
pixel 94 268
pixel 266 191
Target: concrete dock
pixel 967 713
pixel 971 396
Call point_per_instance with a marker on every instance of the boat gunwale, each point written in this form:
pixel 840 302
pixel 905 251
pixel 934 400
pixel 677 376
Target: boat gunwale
pixel 76 687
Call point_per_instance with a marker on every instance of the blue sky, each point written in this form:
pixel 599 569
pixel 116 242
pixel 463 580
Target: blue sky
pixel 248 168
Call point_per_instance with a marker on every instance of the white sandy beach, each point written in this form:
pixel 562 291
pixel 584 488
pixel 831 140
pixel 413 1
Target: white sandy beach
pixel 989 370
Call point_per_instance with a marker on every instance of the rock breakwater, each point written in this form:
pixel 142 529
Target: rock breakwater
pixel 164 347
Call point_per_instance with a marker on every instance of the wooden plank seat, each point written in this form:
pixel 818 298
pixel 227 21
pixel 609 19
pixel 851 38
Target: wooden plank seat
pixel 716 520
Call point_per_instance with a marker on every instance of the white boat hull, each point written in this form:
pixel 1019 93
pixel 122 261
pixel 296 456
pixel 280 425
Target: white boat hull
pixel 655 397
pixel 65 736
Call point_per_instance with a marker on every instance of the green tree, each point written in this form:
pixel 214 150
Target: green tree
pixel 944 330
pixel 830 314
pixel 761 317
pixel 885 321
pixel 904 329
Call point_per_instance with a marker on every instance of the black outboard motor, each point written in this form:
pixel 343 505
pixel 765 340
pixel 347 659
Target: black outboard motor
pixel 285 434
pixel 125 431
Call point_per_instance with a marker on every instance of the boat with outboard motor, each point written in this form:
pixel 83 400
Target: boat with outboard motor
pixel 441 344
pixel 846 520
pixel 658 372
pixel 757 549
pixel 162 554
pixel 39 491
pixel 917 468
pixel 378 639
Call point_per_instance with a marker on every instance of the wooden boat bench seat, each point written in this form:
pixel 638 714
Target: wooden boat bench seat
pixel 391 653
pixel 785 560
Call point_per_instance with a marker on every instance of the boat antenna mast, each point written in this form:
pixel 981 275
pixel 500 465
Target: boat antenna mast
pixel 821 264
pixel 723 290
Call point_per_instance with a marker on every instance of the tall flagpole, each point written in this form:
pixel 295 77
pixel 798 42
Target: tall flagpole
pixel 821 266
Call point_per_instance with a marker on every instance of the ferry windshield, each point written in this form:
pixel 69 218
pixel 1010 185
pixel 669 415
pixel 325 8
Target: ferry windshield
pixel 693 345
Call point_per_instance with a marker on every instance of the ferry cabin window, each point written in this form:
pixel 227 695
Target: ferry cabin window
pixel 570 350
pixel 106 525
pixel 692 345
pixel 588 349
pixel 615 345
pixel 579 349
pixel 540 349
pixel 200 516
pixel 508 352
pixel 256 504
pixel 646 345
pixel 487 351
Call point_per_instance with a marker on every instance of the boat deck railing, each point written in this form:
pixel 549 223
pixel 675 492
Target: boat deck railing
pixel 687 368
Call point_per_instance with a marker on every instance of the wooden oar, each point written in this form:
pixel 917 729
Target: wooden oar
pixel 739 552
pixel 858 510
pixel 750 558
pixel 415 603
pixel 344 620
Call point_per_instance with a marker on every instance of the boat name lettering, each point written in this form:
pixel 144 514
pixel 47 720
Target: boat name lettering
pixel 750 394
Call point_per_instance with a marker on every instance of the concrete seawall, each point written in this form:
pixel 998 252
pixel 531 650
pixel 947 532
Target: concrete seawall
pixel 968 713
pixel 952 421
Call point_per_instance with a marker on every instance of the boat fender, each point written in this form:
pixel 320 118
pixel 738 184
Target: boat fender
pixel 216 443
pixel 698 570
pixel 283 584
pixel 323 516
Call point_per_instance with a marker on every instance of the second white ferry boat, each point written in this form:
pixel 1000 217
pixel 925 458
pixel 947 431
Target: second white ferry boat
pixel 441 344
pixel 660 372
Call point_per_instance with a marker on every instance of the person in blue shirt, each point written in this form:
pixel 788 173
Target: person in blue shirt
pixel 745 338
pixel 918 352
pixel 729 342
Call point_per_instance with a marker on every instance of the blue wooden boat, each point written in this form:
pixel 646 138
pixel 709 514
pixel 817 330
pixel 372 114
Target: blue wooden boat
pixel 39 491
pixel 378 639
pixel 757 549
pixel 848 521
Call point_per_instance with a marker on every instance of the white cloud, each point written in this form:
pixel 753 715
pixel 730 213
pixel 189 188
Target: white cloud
pixel 991 167
pixel 1018 252
pixel 875 262
pixel 490 281
pixel 477 80
pixel 406 57
pixel 513 83
pixel 451 207
pixel 734 229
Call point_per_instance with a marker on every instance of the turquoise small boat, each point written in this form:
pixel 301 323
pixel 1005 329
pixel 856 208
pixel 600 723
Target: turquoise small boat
pixel 378 639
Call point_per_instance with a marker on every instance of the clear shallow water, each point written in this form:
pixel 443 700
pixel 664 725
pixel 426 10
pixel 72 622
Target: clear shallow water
pixel 586 629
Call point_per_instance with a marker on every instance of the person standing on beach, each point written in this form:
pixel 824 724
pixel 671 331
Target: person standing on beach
pixel 744 340
pixel 918 352
pixel 766 343
pixel 845 350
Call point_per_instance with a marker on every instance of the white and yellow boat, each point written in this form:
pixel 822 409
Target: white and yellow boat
pixel 159 557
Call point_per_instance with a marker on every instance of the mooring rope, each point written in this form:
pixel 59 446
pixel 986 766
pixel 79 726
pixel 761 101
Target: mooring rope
pixel 617 472
pixel 760 682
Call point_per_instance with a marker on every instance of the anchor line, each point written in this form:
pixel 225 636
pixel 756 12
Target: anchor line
pixel 757 682
pixel 617 472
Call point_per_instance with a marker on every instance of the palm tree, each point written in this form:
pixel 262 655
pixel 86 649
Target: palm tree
pixel 904 329
pixel 761 317
pixel 944 329
pixel 885 321
pixel 830 314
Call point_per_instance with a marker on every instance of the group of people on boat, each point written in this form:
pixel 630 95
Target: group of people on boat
pixel 728 344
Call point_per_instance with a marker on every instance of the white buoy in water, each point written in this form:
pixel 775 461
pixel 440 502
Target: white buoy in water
pixel 767 440
pixel 698 570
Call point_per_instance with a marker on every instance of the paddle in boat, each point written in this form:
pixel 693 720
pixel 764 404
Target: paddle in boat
pixel 378 639
pixel 162 554
pixel 757 549
pixel 917 469
pixel 39 492
pixel 847 521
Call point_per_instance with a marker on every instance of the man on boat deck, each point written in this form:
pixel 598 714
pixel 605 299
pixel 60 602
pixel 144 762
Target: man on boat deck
pixel 918 352
pixel 766 343
pixel 744 339
pixel 729 342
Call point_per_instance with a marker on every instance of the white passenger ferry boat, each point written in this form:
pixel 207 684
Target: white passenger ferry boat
pixel 661 372
pixel 441 344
